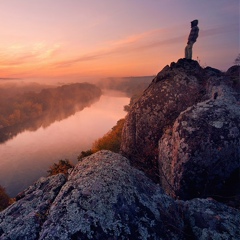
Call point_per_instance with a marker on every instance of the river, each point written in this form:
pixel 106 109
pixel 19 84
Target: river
pixel 29 155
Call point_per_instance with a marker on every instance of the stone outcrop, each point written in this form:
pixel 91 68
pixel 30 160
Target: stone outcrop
pixel 171 92
pixel 208 219
pixel 103 198
pixel 24 219
pixel 185 128
pixel 200 154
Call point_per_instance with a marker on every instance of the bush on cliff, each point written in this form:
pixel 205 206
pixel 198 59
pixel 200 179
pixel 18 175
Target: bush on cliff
pixel 61 167
pixel 84 154
pixel 4 199
pixel 110 141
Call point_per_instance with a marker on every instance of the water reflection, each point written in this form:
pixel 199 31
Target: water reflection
pixel 28 156
pixel 35 110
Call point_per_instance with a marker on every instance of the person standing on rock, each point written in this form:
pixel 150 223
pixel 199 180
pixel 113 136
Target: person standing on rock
pixel 192 38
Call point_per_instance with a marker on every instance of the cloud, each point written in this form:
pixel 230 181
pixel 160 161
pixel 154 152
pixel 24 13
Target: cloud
pixel 124 45
pixel 17 54
pixel 41 52
pixel 138 37
pixel 10 79
pixel 219 30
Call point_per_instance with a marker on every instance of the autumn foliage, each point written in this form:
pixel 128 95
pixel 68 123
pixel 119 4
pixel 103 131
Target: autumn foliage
pixel 4 199
pixel 61 167
pixel 110 141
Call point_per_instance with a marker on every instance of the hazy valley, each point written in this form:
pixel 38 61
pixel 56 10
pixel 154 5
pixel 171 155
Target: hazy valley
pixel 42 124
pixel 174 173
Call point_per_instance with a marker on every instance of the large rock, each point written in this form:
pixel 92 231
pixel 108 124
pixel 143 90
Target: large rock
pixel 208 219
pixel 185 129
pixel 23 219
pixel 174 89
pixel 104 198
pixel 200 155
pixel 234 74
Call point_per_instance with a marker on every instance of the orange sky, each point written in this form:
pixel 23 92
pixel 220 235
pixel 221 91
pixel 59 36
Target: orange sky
pixel 73 39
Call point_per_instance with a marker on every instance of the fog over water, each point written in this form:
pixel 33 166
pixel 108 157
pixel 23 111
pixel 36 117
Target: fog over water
pixel 28 156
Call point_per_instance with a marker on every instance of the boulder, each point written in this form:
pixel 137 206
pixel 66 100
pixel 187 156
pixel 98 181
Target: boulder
pixel 103 198
pixel 172 91
pixel 199 155
pixel 23 219
pixel 234 74
pixel 208 219
pixel 184 131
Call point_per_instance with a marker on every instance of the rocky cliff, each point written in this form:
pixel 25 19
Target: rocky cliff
pixel 104 197
pixel 185 131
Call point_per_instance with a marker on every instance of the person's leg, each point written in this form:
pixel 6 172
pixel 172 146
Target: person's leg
pixel 188 51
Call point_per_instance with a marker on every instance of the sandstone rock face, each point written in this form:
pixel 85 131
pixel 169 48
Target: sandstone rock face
pixel 192 116
pixel 103 198
pixel 208 219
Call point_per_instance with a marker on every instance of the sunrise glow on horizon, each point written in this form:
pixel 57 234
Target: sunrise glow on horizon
pixel 80 38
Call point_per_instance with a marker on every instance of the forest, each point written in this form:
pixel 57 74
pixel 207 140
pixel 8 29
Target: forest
pixel 22 110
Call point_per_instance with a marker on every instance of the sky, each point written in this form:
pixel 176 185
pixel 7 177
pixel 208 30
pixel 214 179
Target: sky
pixel 80 39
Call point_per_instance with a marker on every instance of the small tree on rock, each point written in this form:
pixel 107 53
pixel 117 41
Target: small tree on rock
pixel 61 167
pixel 237 60
pixel 84 154
pixel 4 199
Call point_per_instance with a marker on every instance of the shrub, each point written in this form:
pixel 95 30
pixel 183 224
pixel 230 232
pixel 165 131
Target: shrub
pixel 84 154
pixel 61 167
pixel 4 199
pixel 110 141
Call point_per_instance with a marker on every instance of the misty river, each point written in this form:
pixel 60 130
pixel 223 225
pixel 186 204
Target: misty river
pixel 29 155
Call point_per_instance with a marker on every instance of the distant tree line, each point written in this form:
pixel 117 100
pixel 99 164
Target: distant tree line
pixel 53 103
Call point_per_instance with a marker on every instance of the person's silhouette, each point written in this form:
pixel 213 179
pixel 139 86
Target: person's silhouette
pixel 192 38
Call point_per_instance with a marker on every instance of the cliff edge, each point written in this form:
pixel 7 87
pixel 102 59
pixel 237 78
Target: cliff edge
pixel 184 131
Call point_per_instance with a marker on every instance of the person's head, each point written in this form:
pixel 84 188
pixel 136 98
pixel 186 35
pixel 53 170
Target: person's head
pixel 194 23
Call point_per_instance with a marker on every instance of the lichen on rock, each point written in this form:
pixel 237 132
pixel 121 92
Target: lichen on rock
pixel 106 198
pixel 193 120
pixel 208 219
pixel 24 218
